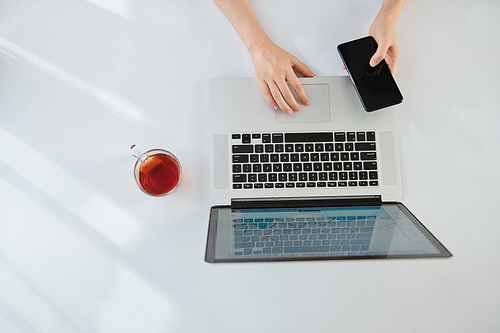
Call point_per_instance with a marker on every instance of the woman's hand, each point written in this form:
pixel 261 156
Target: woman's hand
pixel 274 68
pixel 383 29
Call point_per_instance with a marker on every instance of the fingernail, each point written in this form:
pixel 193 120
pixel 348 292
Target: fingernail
pixel 299 108
pixel 275 107
pixel 289 112
pixel 373 63
pixel 306 103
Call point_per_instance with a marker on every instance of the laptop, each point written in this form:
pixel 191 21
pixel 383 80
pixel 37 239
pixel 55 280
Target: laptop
pixel 322 183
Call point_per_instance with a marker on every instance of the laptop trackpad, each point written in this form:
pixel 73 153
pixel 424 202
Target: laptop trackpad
pixel 318 111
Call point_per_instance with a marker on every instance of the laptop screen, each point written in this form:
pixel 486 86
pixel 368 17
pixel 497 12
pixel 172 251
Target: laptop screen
pixel 385 231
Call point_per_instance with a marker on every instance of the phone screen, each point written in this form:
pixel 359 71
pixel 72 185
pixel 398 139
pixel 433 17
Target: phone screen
pixel 375 85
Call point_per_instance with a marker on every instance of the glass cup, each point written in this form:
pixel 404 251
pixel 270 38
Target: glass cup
pixel 157 172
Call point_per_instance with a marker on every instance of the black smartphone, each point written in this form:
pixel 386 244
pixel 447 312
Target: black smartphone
pixel 375 85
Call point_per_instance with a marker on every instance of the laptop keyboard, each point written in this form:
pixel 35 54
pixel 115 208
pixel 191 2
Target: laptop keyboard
pixel 302 235
pixel 304 160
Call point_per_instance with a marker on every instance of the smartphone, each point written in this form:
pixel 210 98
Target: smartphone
pixel 375 86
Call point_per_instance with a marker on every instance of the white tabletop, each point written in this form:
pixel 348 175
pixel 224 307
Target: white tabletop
pixel 82 249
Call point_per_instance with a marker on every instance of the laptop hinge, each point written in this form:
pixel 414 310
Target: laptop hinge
pixel 300 202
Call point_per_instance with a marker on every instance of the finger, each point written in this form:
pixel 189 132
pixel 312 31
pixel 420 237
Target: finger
pixel 298 89
pixel 278 97
pixel 288 96
pixel 301 67
pixel 392 61
pixel 378 56
pixel 267 95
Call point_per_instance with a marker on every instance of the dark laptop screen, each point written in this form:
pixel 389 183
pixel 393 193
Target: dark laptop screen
pixel 384 231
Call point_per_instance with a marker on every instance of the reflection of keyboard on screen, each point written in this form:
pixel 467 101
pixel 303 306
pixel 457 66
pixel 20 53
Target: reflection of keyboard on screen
pixel 341 234
pixel 304 160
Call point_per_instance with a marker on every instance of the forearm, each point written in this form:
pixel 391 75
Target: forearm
pixel 390 9
pixel 241 16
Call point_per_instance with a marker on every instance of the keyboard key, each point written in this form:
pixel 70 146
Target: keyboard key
pixel 361 136
pixel 242 149
pixel 313 176
pixel 245 138
pixel 236 136
pixel 351 136
pixel 360 146
pixel 370 165
pixel 332 176
pixel 277 137
pixel 240 158
pixel 304 249
pixel 368 156
pixel 370 136
pixel 299 147
pixel 309 137
pixel 266 138
pixel 239 178
pixel 339 136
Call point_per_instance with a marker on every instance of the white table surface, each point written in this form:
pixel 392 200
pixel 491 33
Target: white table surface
pixel 83 250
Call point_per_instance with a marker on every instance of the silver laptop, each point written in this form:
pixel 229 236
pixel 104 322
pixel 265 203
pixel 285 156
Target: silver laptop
pixel 354 153
pixel 321 183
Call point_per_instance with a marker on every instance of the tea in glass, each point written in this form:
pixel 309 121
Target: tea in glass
pixel 157 172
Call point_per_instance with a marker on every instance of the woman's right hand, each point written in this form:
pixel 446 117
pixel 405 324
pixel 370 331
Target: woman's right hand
pixel 274 68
